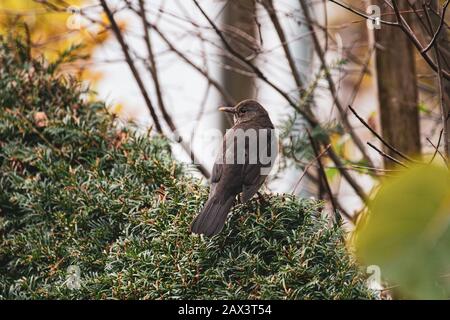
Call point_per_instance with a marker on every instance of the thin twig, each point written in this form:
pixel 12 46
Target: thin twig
pixel 153 68
pixel 364 70
pixel 362 15
pixel 157 85
pixel 227 97
pixel 320 53
pixel 438 31
pixel 413 38
pixel 401 23
pixel 436 148
pixel 387 144
pixel 254 68
pixel 131 65
pixel 268 5
pixel 387 156
pixel 311 163
pixel 325 180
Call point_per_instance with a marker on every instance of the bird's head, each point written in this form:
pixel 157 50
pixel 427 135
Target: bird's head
pixel 246 110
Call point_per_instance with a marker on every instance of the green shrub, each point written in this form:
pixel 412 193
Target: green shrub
pixel 77 191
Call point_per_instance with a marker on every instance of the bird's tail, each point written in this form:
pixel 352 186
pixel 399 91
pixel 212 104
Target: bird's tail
pixel 211 219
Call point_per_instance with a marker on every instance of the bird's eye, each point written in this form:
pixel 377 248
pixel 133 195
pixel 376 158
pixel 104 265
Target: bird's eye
pixel 242 111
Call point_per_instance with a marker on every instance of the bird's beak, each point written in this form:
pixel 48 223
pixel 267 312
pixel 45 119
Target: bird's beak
pixel 227 109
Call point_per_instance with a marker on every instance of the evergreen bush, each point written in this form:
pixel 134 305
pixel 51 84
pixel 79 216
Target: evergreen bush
pixel 77 191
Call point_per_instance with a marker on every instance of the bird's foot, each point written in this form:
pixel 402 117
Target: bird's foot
pixel 261 199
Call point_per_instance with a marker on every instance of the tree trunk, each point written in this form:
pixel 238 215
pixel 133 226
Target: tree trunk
pixel 240 28
pixel 397 87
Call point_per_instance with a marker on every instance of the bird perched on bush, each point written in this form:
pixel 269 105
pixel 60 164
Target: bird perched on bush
pixel 248 153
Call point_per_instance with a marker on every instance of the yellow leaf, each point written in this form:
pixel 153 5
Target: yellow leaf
pixel 406 231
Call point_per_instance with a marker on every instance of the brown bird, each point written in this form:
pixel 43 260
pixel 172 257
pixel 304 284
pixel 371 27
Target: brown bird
pixel 248 152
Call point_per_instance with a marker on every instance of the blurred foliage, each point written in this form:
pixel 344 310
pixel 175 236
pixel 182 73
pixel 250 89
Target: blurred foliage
pixel 53 27
pixel 77 191
pixel 406 233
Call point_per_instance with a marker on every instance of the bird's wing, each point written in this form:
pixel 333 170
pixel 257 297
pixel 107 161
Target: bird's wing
pixel 252 181
pixel 215 176
pixel 254 175
pixel 219 163
pixel 216 172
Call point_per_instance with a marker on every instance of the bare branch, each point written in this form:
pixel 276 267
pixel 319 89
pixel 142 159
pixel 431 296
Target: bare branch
pixel 162 107
pixel 131 65
pixel 327 185
pixel 436 148
pixel 387 156
pixel 438 31
pixel 268 5
pixel 387 144
pixel 309 165
pixel 332 86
